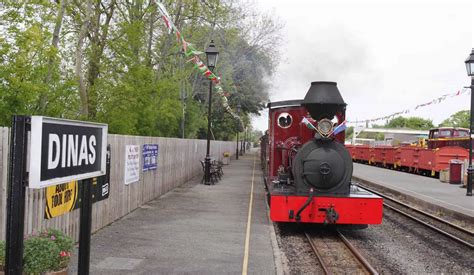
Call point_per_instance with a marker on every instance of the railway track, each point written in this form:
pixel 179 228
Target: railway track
pixel 337 255
pixel 441 226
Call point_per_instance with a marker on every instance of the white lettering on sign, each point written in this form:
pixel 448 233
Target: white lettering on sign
pixel 92 143
pixel 53 141
pixel 72 150
pixel 83 151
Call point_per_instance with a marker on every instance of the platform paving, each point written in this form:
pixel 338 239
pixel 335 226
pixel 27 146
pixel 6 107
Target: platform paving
pixel 431 190
pixel 193 229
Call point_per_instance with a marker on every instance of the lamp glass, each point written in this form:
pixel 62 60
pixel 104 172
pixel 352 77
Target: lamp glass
pixel 212 59
pixel 470 68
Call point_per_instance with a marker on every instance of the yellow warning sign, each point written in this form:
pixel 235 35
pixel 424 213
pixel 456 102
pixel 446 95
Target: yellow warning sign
pixel 60 199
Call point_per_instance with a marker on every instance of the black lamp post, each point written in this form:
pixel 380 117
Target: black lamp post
pixel 238 130
pixel 242 144
pixel 211 54
pixel 245 140
pixel 470 72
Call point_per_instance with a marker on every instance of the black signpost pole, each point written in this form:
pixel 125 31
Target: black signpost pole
pixel 85 228
pixel 16 195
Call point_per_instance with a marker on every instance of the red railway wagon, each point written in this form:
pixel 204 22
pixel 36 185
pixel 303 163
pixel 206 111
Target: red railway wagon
pixel 383 156
pixel 408 158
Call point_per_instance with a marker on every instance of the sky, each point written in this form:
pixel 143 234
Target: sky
pixel 386 56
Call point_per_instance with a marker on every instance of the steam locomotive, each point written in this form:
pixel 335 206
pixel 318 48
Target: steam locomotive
pixel 307 169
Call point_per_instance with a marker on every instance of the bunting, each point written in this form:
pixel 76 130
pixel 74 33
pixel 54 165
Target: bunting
pixel 406 111
pixel 308 124
pixel 189 51
pixel 339 128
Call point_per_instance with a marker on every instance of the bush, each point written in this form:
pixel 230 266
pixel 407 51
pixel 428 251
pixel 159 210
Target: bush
pixel 48 251
pixel 40 255
pixel 63 241
pixel 65 245
pixel 2 253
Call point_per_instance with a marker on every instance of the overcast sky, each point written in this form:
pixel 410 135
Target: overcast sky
pixel 386 56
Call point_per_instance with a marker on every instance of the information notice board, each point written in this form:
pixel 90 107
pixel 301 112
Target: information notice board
pixel 150 157
pixel 132 164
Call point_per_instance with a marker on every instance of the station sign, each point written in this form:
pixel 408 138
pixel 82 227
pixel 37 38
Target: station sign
pixel 62 151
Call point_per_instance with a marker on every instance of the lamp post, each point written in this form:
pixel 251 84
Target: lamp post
pixel 241 144
pixel 211 54
pixel 238 130
pixel 245 140
pixel 470 72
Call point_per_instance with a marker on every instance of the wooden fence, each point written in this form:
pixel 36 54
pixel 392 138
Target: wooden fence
pixel 178 162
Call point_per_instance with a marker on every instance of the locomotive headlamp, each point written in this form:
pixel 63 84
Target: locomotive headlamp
pixel 325 127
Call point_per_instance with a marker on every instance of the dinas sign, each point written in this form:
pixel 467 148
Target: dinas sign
pixel 65 150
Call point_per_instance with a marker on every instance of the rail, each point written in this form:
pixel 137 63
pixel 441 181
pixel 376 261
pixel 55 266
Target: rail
pixel 337 241
pixel 434 219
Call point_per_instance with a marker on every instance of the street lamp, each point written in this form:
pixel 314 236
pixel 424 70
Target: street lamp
pixel 211 54
pixel 245 140
pixel 242 143
pixel 470 72
pixel 238 130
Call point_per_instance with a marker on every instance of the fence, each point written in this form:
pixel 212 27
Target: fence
pixel 178 162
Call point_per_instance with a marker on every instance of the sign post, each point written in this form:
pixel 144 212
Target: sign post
pixel 60 151
pixel 85 228
pixel 16 195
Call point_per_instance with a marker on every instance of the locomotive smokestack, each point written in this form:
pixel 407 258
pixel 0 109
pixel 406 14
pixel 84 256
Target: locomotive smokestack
pixel 323 100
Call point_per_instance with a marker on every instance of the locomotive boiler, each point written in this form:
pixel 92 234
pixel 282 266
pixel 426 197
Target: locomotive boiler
pixel 308 170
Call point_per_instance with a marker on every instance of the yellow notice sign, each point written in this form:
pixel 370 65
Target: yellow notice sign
pixel 60 199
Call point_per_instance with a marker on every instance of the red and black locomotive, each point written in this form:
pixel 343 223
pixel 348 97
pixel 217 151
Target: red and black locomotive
pixel 308 170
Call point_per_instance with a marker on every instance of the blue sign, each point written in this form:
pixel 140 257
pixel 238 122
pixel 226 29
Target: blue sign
pixel 150 157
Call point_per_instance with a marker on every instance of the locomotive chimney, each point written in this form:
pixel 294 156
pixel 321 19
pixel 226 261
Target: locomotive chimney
pixel 323 100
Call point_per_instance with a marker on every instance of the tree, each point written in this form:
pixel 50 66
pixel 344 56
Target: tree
pixel 459 119
pixel 416 123
pixel 115 62
pixel 349 132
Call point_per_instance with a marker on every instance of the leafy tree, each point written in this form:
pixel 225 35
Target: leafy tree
pixel 459 119
pixel 114 62
pixel 417 123
pixel 349 132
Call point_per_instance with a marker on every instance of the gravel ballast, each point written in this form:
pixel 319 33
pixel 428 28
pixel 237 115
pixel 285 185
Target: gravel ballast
pixel 397 246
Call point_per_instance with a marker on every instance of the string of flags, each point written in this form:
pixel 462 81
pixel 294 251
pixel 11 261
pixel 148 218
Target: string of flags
pixel 406 111
pixel 189 51
pixel 308 124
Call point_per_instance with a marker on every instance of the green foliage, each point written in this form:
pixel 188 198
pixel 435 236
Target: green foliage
pixel 459 119
pixel 416 123
pixel 376 136
pixel 349 132
pixel 64 242
pixel 40 255
pixel 2 253
pixel 133 75
pixel 48 251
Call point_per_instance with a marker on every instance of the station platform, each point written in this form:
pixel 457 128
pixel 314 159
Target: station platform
pixel 194 229
pixel 430 190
